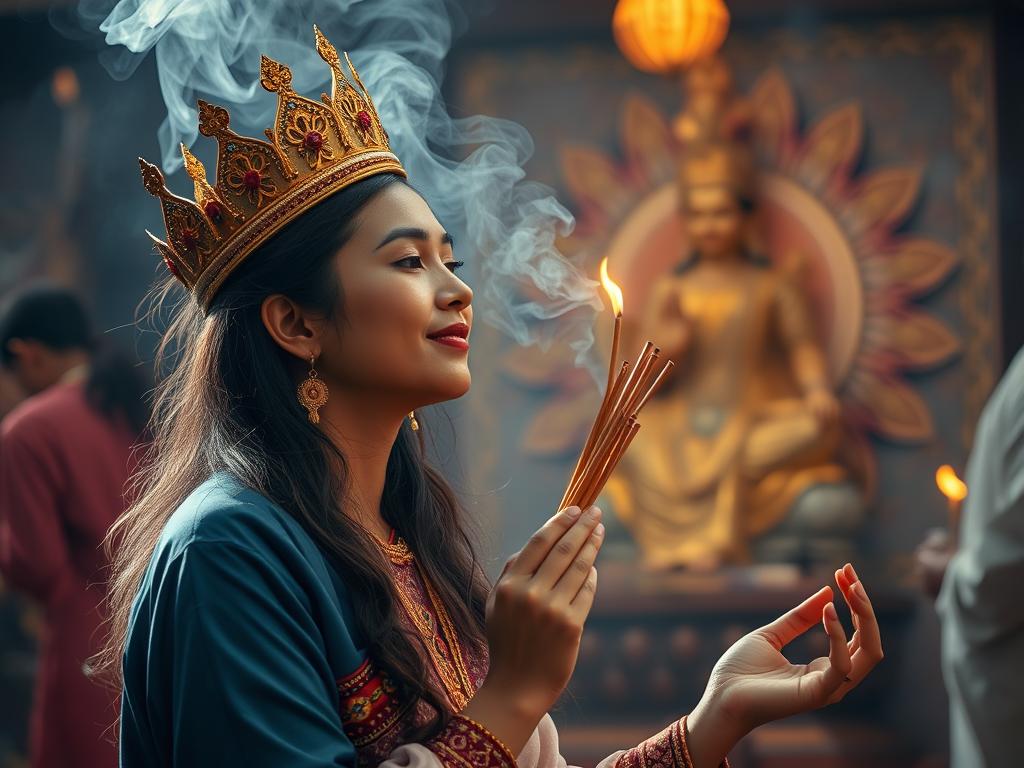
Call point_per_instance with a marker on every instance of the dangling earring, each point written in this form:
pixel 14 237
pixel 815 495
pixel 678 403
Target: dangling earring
pixel 412 421
pixel 312 393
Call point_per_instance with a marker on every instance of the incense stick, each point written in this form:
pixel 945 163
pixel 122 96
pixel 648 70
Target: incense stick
pixel 610 467
pixel 595 429
pixel 616 424
pixel 658 381
pixel 616 333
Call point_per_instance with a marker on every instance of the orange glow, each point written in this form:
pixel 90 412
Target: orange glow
pixel 64 86
pixel 952 487
pixel 611 287
pixel 663 36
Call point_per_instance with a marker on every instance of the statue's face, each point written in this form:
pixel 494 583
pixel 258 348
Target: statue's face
pixel 714 221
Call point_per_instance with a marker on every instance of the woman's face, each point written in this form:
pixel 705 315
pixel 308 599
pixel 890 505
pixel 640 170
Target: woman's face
pixel 402 334
pixel 714 221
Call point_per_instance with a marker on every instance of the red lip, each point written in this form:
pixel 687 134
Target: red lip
pixel 454 335
pixel 455 329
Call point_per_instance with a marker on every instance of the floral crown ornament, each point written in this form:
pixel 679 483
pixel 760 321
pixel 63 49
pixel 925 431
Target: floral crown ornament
pixel 313 150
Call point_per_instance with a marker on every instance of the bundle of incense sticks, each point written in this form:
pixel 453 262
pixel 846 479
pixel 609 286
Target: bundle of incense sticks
pixel 616 424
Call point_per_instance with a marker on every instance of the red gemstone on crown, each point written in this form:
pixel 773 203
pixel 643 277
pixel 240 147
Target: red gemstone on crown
pixel 213 210
pixel 171 268
pixel 252 179
pixel 313 140
pixel 363 119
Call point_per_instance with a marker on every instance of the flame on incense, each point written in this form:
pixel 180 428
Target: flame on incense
pixel 611 287
pixel 952 487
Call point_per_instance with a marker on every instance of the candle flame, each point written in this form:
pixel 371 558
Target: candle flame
pixel 611 287
pixel 952 487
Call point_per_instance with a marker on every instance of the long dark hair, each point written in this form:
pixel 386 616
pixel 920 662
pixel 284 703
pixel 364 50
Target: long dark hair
pixel 55 317
pixel 228 403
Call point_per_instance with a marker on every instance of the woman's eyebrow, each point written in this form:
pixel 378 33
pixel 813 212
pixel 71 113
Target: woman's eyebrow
pixel 412 233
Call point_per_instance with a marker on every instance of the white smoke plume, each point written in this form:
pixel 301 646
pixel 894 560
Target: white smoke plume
pixel 470 170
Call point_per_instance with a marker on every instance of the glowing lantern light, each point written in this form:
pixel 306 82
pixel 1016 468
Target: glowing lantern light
pixel 952 487
pixel 663 36
pixel 955 491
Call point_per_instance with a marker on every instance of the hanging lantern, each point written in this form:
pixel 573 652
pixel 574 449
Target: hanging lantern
pixel 664 36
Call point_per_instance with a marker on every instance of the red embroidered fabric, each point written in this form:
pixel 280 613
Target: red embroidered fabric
pixel 667 749
pixel 465 743
pixel 369 707
pixel 373 715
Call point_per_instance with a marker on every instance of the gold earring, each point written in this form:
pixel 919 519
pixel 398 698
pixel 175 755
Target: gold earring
pixel 312 393
pixel 412 421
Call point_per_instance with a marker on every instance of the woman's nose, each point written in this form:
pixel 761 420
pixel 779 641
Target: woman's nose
pixel 454 293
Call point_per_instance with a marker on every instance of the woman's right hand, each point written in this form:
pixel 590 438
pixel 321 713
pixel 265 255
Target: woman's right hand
pixel 535 618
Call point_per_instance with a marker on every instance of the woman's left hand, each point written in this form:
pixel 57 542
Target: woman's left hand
pixel 753 683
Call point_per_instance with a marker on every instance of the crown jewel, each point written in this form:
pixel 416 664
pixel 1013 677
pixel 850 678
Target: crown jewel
pixel 313 150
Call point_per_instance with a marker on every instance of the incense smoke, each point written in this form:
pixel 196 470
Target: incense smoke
pixel 470 169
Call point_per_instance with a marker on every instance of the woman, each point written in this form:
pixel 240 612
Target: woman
pixel 295 586
pixel 65 457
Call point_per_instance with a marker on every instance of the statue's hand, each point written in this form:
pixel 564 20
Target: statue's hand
pixel 753 683
pixel 674 336
pixel 823 405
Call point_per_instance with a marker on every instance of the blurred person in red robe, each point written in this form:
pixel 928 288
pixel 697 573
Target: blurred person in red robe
pixel 65 458
pixel 10 392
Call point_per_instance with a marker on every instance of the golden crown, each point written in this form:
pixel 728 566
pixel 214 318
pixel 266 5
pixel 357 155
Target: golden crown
pixel 314 150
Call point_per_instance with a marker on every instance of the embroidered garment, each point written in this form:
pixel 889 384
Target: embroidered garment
pixel 242 652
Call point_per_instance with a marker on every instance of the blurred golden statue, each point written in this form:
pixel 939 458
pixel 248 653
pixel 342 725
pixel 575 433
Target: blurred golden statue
pixel 749 420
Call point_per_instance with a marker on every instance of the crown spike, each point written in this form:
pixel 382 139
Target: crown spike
pixel 206 196
pixel 324 47
pixel 329 54
pixel 274 76
pixel 152 179
pixel 212 119
pixel 381 133
pixel 355 76
pixel 197 172
pixel 194 168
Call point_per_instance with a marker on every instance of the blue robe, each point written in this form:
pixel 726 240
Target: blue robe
pixel 236 641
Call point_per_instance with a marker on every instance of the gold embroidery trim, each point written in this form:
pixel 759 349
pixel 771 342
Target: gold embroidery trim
pixel 453 674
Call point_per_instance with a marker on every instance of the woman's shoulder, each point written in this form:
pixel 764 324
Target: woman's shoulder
pixel 222 511
pixel 231 575
pixel 228 538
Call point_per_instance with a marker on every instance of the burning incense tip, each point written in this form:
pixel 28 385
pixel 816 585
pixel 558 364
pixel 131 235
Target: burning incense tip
pixel 611 288
pixel 615 295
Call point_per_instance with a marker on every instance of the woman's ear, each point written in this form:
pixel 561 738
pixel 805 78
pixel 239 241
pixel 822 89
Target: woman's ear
pixel 291 327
